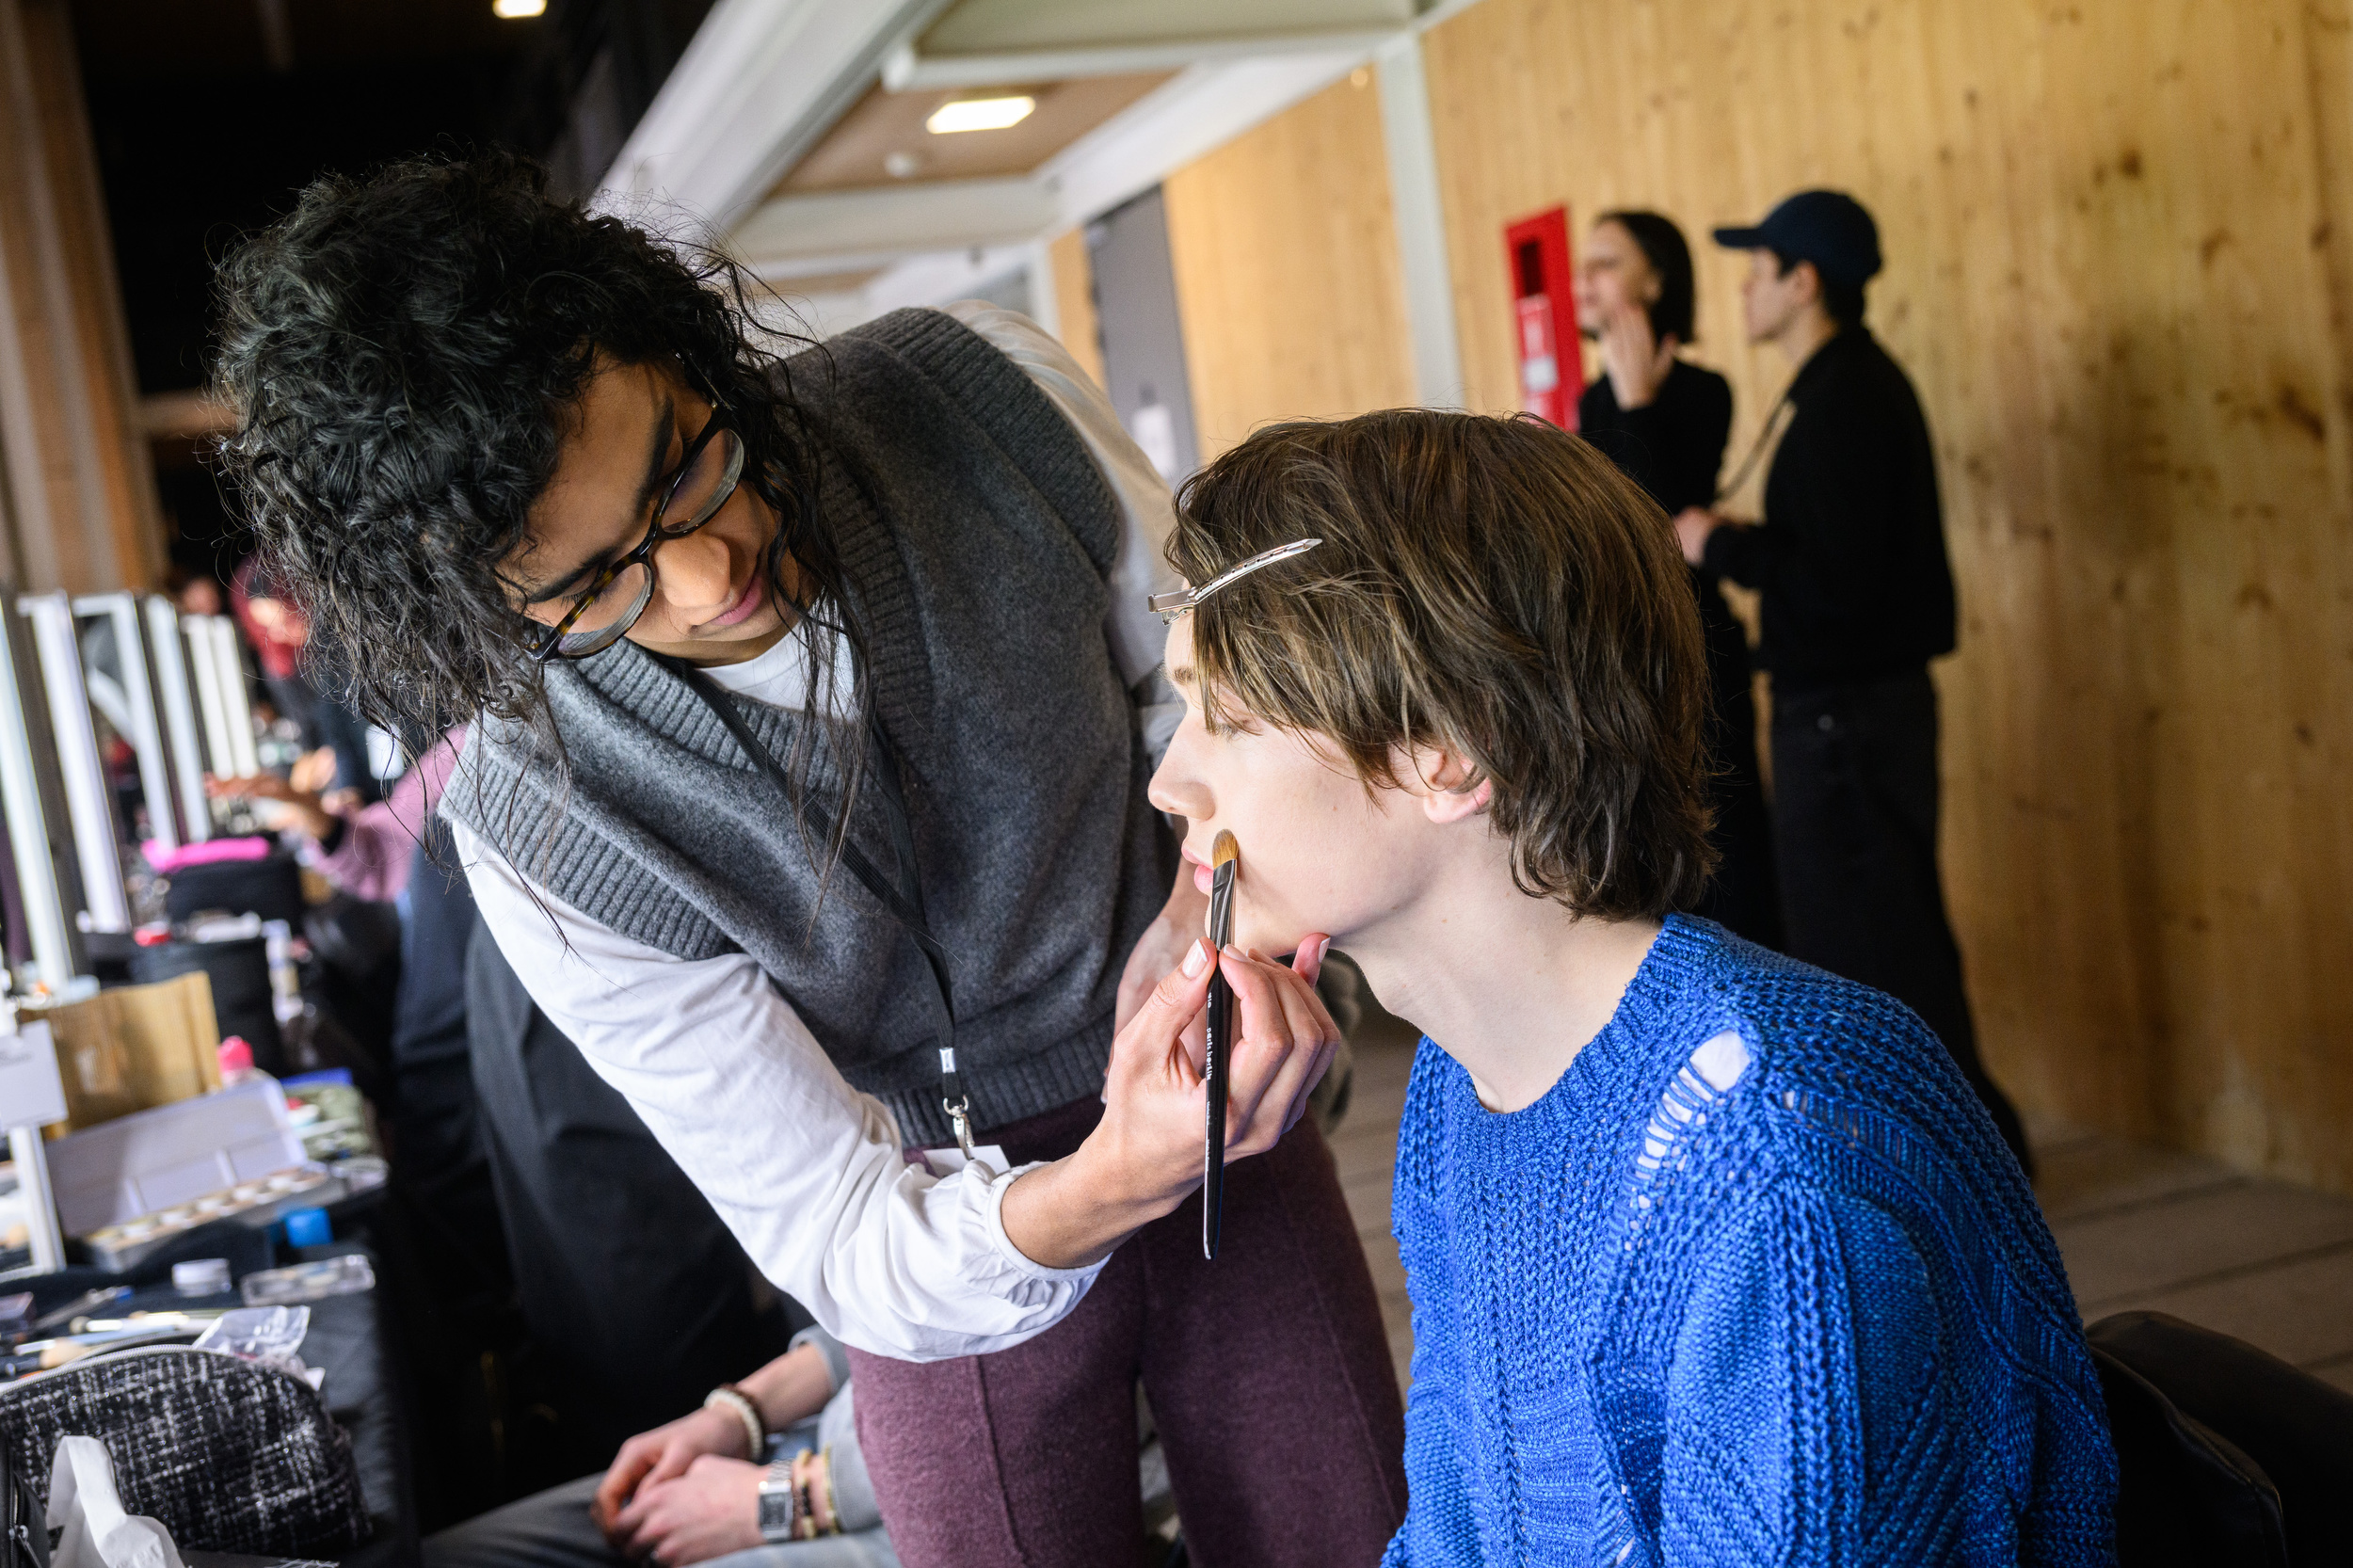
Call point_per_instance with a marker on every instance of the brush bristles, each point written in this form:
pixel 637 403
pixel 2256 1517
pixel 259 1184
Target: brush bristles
pixel 1226 849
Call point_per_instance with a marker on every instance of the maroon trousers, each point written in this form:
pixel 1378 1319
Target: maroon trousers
pixel 1267 1372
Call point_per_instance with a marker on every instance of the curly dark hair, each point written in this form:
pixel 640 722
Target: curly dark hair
pixel 1491 585
pixel 404 354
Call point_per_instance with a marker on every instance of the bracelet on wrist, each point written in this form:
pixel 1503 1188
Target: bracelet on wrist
pixel 729 1398
pixel 807 1503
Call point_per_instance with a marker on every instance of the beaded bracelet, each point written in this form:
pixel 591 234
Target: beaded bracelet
pixel 801 1491
pixel 728 1396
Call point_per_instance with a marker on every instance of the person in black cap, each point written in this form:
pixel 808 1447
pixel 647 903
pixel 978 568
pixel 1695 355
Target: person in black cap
pixel 1664 421
pixel 1858 597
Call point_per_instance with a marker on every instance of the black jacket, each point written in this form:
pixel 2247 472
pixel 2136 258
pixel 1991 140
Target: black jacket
pixel 1673 449
pixel 1850 560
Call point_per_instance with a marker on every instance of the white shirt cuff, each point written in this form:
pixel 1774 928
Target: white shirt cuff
pixel 1013 1257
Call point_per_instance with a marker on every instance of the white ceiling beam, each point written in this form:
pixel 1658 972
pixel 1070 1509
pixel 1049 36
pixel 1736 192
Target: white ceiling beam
pixel 936 216
pixel 999 26
pixel 906 70
pixel 941 279
pixel 762 81
pixel 1200 110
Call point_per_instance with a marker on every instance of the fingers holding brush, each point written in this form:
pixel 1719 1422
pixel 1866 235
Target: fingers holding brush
pixel 1308 963
pixel 1283 1041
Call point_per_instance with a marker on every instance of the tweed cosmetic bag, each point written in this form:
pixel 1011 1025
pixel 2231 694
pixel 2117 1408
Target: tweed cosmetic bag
pixel 226 1454
pixel 23 1536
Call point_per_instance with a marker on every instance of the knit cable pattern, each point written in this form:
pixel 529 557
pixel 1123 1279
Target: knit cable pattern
pixel 1755 1282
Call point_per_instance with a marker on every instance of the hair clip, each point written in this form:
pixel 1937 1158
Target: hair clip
pixel 1169 606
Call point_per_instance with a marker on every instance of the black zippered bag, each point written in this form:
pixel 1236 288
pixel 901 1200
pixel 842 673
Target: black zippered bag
pixel 24 1521
pixel 226 1454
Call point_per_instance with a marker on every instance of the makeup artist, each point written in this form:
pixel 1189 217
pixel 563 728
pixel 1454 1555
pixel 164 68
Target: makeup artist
pixel 813 703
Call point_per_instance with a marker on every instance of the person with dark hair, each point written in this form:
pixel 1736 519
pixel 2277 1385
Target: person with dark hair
pixel 812 700
pixel 1857 598
pixel 277 629
pixel 1714 1258
pixel 1664 421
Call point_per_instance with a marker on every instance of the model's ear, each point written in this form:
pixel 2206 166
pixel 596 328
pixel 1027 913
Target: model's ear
pixel 1452 806
pixel 1443 780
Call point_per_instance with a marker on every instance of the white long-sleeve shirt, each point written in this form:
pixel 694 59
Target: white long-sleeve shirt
pixel 805 1170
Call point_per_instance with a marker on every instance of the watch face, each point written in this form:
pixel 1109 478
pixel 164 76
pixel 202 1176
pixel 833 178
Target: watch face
pixel 776 1511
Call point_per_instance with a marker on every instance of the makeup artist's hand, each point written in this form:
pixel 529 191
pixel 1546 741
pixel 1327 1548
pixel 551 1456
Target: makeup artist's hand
pixel 1144 1156
pixel 663 1454
pixel 1162 947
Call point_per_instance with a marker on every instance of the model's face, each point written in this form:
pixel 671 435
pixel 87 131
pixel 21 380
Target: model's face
pixel 713 604
pixel 1770 298
pixel 1319 852
pixel 1613 272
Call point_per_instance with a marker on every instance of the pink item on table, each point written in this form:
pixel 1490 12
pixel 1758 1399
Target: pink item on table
pixel 168 861
pixel 236 1058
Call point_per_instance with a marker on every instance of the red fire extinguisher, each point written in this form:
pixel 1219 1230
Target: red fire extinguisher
pixel 1552 367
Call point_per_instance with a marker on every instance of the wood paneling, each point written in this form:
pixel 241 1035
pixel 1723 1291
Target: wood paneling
pixel 1287 270
pixel 2116 238
pixel 1074 301
pixel 132 513
pixel 81 501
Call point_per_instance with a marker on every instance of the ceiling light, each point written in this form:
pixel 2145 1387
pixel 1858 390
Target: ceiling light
pixel 980 113
pixel 517 10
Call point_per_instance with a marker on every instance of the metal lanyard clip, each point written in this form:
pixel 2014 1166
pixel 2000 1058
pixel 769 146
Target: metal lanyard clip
pixel 953 1101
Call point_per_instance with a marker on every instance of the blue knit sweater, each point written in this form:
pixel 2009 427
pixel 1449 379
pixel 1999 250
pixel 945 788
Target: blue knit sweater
pixel 1755 1282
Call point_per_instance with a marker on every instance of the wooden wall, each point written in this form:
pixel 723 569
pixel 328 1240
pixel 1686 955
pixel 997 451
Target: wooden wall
pixel 1073 278
pixel 2120 236
pixel 79 496
pixel 2118 241
pixel 1287 270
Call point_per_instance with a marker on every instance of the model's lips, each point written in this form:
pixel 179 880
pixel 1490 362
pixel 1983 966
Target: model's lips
pixel 746 605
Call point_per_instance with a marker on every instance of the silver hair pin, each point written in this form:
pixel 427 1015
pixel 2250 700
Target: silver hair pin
pixel 1169 606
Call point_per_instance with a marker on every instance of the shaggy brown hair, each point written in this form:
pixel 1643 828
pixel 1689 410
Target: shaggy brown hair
pixel 1493 586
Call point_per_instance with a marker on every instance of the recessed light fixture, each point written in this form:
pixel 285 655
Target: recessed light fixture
pixel 980 113
pixel 518 10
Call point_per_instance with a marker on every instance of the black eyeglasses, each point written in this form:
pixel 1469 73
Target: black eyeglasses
pixel 616 596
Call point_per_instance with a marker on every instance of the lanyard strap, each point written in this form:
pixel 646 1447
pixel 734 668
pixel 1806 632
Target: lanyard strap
pixel 1756 448
pixel 903 896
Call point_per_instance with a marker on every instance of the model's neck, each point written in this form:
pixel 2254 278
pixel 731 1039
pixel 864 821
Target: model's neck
pixel 1804 337
pixel 1511 987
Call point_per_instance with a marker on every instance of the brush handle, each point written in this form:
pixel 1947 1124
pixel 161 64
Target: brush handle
pixel 1217 1057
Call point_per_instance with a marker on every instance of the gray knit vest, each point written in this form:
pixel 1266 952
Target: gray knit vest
pixel 976 534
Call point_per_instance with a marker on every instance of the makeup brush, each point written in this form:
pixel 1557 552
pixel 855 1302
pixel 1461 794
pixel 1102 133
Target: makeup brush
pixel 1224 858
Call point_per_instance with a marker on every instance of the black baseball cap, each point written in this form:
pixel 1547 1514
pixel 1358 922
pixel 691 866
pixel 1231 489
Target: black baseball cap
pixel 1828 227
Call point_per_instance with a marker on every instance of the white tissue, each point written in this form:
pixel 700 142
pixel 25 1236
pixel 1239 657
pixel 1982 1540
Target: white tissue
pixel 98 1534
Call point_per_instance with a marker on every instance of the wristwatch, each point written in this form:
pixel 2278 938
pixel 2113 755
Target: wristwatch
pixel 779 1504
